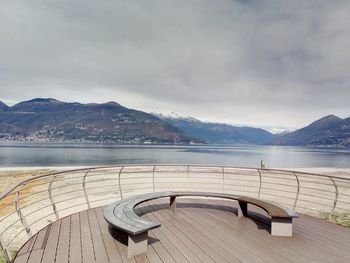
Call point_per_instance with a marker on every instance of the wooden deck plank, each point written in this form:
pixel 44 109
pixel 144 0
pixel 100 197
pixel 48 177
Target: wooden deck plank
pixel 22 256
pixel 99 246
pixel 203 230
pixel 265 240
pixel 177 241
pixel 110 245
pixel 309 242
pixel 39 246
pixel 27 247
pixel 171 249
pixel 124 253
pixel 236 224
pixel 250 233
pixel 159 248
pixel 75 240
pixel 210 245
pixel 51 244
pixel 87 248
pixel 183 230
pixel 152 255
pixel 248 236
pixel 142 259
pixel 62 254
pixel 233 244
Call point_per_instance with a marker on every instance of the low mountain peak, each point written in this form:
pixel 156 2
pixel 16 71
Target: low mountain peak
pixel 40 101
pixel 45 100
pixel 327 120
pixel 112 103
pixel 3 106
pixel 331 117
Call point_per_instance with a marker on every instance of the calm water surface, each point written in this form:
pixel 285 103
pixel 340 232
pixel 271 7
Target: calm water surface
pixel 67 154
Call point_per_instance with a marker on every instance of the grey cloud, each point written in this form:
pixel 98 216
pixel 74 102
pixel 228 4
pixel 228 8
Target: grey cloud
pixel 254 62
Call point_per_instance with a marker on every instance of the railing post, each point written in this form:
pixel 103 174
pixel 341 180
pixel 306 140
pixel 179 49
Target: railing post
pixel 51 198
pixel 4 251
pixel 85 193
pixel 154 168
pixel 223 179
pixel 335 198
pixel 120 186
pixel 259 182
pixel 20 215
pixel 298 190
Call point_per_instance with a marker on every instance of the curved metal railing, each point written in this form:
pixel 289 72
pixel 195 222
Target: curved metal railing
pixel 35 203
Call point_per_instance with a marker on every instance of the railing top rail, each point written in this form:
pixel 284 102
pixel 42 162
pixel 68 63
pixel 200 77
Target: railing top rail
pixel 11 189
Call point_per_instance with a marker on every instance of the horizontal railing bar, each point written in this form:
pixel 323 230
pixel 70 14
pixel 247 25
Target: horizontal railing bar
pixel 29 226
pixel 33 194
pixel 241 180
pixel 9 204
pixel 344 202
pixel 275 195
pixel 185 182
pixel 280 184
pixel 35 202
pixel 41 208
pixel 313 202
pixel 8 215
pixel 266 177
pixel 9 226
pixel 342 194
pixel 317 189
pixel 318 183
pixel 99 200
pixel 279 190
pixel 188 187
pixel 160 165
pixel 310 209
pixel 316 196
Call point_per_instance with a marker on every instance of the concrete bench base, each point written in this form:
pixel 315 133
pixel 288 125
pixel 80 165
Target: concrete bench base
pixel 282 227
pixel 137 244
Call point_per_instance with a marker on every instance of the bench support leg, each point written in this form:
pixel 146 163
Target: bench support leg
pixel 242 209
pixel 282 227
pixel 137 244
pixel 173 203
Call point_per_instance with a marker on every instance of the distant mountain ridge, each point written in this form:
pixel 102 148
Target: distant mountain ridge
pixel 327 131
pixel 218 133
pixel 48 119
pixel 3 106
pixel 52 120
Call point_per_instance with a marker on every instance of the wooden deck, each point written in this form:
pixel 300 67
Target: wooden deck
pixel 203 230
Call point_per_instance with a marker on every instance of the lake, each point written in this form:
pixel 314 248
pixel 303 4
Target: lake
pixel 16 154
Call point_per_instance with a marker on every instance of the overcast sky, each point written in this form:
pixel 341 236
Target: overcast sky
pixel 253 62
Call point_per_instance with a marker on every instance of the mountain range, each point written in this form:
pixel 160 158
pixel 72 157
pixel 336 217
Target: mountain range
pixel 52 120
pixel 219 133
pixel 328 131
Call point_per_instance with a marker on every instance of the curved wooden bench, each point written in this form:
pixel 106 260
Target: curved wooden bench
pixel 121 216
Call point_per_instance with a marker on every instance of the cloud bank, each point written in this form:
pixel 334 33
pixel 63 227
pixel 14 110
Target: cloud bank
pixel 255 62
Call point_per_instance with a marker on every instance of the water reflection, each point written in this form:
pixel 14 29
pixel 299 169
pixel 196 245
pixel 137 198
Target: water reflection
pixel 57 154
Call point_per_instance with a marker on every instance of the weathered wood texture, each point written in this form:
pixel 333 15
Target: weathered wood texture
pixel 202 230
